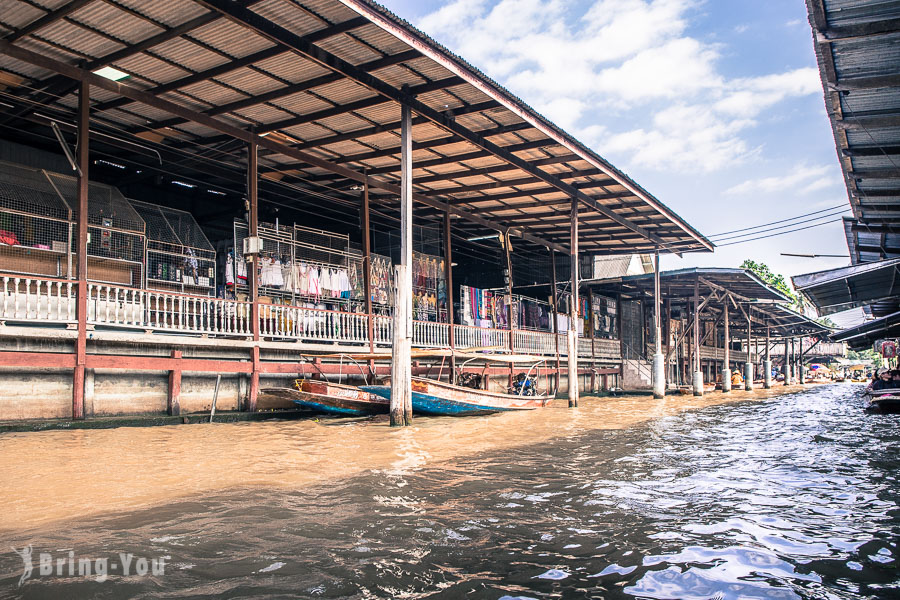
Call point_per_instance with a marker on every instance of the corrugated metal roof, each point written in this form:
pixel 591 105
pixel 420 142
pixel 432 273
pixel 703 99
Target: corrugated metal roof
pixel 182 51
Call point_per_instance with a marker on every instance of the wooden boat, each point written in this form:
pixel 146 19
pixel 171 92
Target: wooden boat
pixel 334 398
pixel 883 401
pixel 438 398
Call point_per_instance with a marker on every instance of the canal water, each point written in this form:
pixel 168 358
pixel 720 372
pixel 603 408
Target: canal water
pixel 791 496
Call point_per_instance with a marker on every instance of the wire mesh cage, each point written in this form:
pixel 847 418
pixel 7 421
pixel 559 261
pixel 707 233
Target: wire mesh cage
pixel 36 224
pixel 116 233
pixel 179 255
pixel 301 264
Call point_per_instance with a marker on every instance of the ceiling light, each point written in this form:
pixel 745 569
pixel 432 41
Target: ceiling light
pixel 111 73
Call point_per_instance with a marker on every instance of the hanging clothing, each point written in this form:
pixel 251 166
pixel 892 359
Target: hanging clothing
pixel 229 270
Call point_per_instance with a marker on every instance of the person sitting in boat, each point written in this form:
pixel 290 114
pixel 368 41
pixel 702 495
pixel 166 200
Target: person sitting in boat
pixel 884 381
pixel 737 378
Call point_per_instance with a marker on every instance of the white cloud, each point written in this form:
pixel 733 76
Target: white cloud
pixel 807 178
pixel 592 68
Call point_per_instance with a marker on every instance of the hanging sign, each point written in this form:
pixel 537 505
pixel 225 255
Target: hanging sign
pixel 889 349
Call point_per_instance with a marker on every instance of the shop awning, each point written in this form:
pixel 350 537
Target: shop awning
pixel 841 289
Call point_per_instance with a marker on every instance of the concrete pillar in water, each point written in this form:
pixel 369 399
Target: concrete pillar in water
pixel 767 378
pixel 726 379
pixel 659 376
pixel 698 383
pixel 748 376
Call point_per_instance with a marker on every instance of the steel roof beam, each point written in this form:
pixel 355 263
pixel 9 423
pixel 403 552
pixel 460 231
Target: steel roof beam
pixel 47 19
pixel 240 63
pixel 79 74
pixel 436 143
pixel 263 26
pixel 857 30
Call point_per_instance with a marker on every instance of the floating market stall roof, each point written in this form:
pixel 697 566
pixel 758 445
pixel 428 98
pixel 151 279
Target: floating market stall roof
pixel 863 336
pixel 741 288
pixel 319 85
pixel 841 289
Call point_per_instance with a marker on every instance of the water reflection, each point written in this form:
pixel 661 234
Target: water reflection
pixel 793 497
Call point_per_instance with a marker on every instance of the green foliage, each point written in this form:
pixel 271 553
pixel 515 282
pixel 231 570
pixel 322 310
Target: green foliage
pixel 868 354
pixel 776 280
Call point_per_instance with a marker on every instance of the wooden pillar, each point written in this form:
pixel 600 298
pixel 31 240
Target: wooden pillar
pixel 401 368
pixel 668 338
pixel 365 216
pixel 726 367
pixel 84 107
pixel 509 306
pixel 173 405
pixel 698 374
pixel 748 366
pixel 572 337
pixel 448 275
pixel 786 371
pixel 801 376
pixel 554 324
pixel 253 270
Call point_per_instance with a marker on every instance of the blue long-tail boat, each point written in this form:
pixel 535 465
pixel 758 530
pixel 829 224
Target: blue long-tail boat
pixel 431 397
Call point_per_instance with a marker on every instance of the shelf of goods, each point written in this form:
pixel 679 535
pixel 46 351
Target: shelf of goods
pixel 179 256
pixel 429 288
pixel 38 230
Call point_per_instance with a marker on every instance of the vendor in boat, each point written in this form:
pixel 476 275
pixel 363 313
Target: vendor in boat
pixel 737 378
pixel 883 382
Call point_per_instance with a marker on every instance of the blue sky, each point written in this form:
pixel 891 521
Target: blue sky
pixel 714 106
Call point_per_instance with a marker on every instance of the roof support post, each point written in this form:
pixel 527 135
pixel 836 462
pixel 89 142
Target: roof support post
pixel 401 367
pixel 697 379
pixel 448 276
pixel 748 366
pixel 658 374
pixel 572 333
pixel 365 221
pixel 253 268
pixel 511 317
pixel 767 364
pixel 555 317
pixel 726 363
pixel 800 374
pixel 668 339
pixel 84 110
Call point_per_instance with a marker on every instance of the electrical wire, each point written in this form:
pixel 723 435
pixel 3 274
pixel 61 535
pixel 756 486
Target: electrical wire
pixel 762 237
pixel 715 235
pixel 780 227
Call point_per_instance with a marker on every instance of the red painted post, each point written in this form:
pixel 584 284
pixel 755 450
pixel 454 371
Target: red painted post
pixel 253 271
pixel 448 277
pixel 84 104
pixel 173 406
pixel 254 380
pixel 367 272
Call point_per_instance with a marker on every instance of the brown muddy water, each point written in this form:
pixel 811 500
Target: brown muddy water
pixel 756 496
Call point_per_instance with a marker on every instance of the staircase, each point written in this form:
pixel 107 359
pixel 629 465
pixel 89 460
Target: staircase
pixel 636 374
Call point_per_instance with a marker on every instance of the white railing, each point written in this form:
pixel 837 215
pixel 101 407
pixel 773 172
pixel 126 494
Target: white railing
pixel 115 306
pixel 384 330
pixel 277 321
pixel 533 342
pixel 54 301
pixel 477 337
pixel 428 334
pixel 31 299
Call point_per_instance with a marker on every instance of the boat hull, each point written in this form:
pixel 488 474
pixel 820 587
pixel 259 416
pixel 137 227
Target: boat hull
pixel 884 403
pixel 439 398
pixel 332 398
